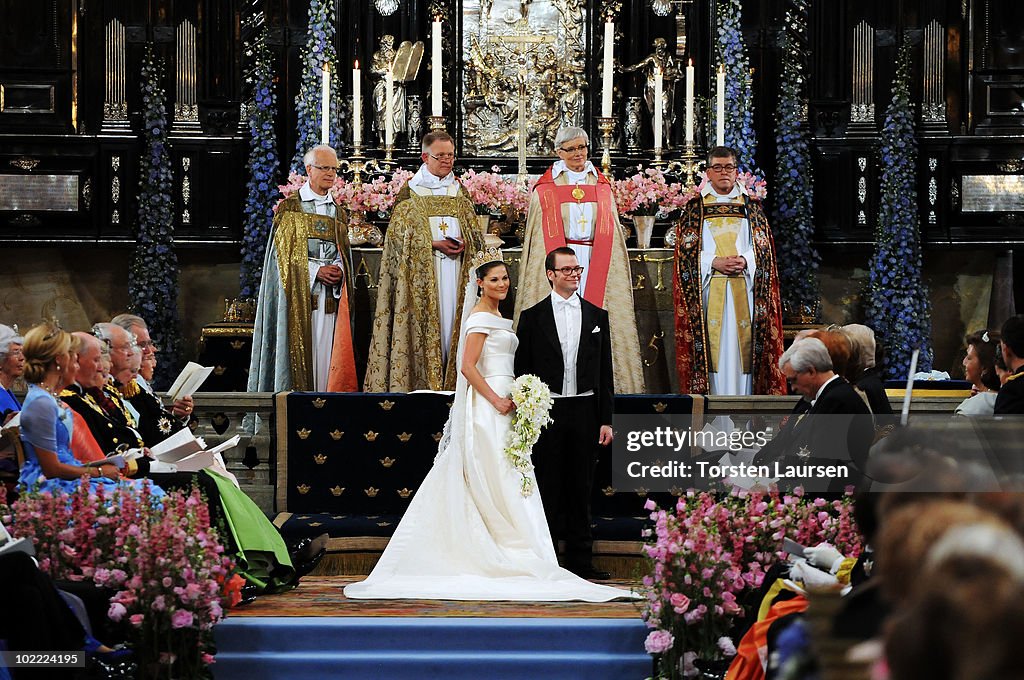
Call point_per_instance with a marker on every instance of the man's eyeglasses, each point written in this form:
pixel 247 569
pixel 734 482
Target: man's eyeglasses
pixel 570 271
pixel 148 344
pixel 442 156
pixel 718 167
pixel 573 149
pixel 327 168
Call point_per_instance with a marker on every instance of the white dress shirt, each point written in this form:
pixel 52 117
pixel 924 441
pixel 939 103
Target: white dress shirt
pixel 568 319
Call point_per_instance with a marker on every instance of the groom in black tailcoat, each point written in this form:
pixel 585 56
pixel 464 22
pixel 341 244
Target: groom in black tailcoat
pixel 564 340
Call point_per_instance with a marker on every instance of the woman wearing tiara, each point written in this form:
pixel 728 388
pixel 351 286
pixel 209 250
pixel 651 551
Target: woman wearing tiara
pixel 470 533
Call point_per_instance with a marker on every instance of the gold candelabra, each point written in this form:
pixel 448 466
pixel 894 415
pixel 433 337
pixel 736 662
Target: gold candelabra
pixel 606 124
pixel 436 123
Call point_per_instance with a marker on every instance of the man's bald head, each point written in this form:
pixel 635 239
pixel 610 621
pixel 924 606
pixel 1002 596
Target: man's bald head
pixel 90 367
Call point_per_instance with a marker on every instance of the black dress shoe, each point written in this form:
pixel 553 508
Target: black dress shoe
pixel 308 548
pixel 248 594
pixel 590 573
pixel 304 567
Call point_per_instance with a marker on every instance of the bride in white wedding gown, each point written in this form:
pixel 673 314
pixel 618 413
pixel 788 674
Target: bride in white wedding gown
pixel 469 533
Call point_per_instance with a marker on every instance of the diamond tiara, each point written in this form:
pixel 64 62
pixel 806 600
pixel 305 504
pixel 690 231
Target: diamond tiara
pixel 486 255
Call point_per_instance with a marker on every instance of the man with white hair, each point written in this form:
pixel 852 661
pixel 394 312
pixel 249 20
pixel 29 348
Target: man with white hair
pixel 423 274
pixel 808 436
pixel 139 330
pixel 572 205
pixel 302 339
pixel 869 376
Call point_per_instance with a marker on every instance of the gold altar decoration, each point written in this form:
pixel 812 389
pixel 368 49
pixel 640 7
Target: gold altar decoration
pixel 524 61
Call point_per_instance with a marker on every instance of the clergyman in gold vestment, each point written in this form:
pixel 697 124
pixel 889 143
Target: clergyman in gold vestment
pixel 423 274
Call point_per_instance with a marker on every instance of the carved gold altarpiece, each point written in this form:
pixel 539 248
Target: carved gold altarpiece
pixel 537 44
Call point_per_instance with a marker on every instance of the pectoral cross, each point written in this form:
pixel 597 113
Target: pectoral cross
pixel 443 226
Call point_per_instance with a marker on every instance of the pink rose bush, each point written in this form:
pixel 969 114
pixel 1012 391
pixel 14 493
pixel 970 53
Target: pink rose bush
pixel 711 550
pixel 160 557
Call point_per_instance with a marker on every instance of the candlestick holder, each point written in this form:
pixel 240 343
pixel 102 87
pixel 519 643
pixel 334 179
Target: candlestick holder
pixel 606 124
pixel 690 163
pixel 389 150
pixel 436 123
pixel 659 162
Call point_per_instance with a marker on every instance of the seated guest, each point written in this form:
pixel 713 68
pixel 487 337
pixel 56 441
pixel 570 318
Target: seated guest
pixel 261 553
pixel 12 366
pixel 1011 395
pixel 980 370
pixel 867 376
pixel 50 356
pixel 807 366
pixel 137 327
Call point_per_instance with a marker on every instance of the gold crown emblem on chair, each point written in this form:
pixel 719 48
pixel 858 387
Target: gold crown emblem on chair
pixel 404 493
pixel 482 257
pixel 303 488
pixel 436 436
pixel 371 492
pixel 608 491
pixel 336 435
pixel 386 405
pixel 319 402
pixel 404 437
pixel 387 461
pixel 660 407
pixel 370 436
pixel 303 433
pixel 337 491
pixel 319 459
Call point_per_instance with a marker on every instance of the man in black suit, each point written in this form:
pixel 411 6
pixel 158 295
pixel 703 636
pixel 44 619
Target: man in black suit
pixel 807 440
pixel 1011 394
pixel 564 340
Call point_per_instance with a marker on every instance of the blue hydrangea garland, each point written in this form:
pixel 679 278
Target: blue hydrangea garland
pixel 793 217
pixel 731 50
pixel 263 165
pixel 319 49
pixel 153 275
pixel 898 306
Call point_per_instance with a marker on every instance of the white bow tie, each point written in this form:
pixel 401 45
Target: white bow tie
pixel 571 301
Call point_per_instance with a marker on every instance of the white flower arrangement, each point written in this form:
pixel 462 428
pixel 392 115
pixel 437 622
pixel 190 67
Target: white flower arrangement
pixel 533 405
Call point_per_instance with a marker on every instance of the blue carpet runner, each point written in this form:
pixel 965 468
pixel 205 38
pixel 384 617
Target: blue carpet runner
pixel 402 648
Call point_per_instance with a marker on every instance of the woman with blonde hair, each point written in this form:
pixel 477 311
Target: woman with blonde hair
pixel 51 357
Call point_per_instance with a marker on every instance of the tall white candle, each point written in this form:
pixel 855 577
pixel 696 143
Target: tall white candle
pixel 607 85
pixel 720 107
pixel 325 104
pixel 689 102
pixel 658 86
pixel 435 69
pixel 389 109
pixel 357 106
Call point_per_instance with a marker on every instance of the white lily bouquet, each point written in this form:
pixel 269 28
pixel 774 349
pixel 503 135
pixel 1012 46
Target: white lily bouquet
pixel 532 414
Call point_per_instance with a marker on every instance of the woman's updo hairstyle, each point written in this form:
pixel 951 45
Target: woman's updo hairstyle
pixel 484 269
pixel 43 344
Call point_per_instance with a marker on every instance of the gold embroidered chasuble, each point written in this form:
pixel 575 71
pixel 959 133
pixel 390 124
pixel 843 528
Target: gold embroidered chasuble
pixel 532 286
pixel 293 229
pixel 405 350
pixel 694 339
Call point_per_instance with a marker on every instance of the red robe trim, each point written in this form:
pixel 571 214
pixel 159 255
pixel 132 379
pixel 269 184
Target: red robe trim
pixel 552 196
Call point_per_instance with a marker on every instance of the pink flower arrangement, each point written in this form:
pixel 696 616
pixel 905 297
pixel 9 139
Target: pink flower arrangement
pixel 377 195
pixel 708 551
pixel 647 192
pixel 161 557
pixel 490 191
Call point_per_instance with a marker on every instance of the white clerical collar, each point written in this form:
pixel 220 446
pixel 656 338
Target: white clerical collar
pixel 559 167
pixel 306 193
pixel 737 190
pixel 822 388
pixel 573 300
pixel 426 179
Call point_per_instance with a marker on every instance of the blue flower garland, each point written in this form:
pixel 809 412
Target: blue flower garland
pixel 898 307
pixel 263 165
pixel 793 222
pixel 153 275
pixel 318 50
pixel 731 50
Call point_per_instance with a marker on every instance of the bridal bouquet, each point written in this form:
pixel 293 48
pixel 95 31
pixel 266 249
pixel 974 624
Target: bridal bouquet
pixel 533 405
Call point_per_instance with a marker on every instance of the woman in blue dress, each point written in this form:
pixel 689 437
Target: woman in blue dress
pixel 50 363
